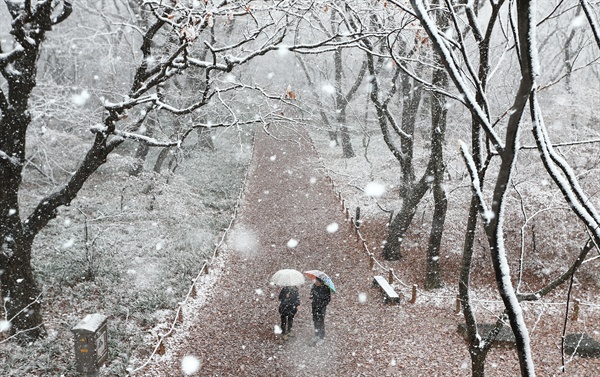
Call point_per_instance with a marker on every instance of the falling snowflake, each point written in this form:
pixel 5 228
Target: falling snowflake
pixel 4 326
pixel 283 51
pixel 68 244
pixel 332 228
pixel 328 89
pixel 259 292
pixel 277 330
pixel 362 297
pixel 81 98
pixel 292 243
pixel 374 189
pixel 190 365
pixel 273 158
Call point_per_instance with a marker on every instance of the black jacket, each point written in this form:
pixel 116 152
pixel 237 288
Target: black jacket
pixel 320 296
pixel 289 301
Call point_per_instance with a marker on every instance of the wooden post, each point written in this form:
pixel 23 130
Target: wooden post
pixel 180 314
pixel 193 294
pixel 343 204
pixel 391 276
pixel 347 214
pixel 357 217
pixel 206 267
pixel 575 315
pixel 371 260
pixel 413 299
pixel 457 308
pixel 161 347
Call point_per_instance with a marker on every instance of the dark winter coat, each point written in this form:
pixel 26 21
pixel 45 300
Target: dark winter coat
pixel 289 301
pixel 320 296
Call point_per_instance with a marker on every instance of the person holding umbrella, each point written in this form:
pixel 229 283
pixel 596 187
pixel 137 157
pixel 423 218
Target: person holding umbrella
pixel 320 294
pixel 289 300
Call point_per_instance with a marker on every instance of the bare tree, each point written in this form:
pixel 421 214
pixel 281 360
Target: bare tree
pixel 265 30
pixel 474 96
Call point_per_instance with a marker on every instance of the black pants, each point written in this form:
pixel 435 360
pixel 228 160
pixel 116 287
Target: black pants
pixel 287 320
pixel 319 322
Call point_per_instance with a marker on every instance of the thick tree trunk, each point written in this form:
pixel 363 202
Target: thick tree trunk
pixel 21 295
pixel 439 113
pixel 401 222
pixel 341 103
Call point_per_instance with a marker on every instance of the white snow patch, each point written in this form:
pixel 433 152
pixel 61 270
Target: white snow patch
pixel 277 330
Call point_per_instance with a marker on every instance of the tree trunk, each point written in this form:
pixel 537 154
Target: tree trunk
pixel 205 140
pixel 20 292
pixel 340 104
pixel 162 156
pixel 439 113
pixel 141 152
pixel 400 224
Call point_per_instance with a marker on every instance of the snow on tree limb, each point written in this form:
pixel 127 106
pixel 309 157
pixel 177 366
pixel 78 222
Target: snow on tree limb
pixel 475 186
pixel 454 73
pixel 593 24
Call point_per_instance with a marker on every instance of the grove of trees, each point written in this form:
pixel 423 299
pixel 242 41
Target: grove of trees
pixel 486 72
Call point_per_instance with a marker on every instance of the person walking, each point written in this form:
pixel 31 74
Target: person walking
pixel 320 295
pixel 289 301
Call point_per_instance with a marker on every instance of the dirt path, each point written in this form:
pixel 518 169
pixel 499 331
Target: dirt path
pixel 232 330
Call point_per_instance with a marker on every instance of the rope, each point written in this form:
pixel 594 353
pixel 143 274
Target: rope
pixel 203 270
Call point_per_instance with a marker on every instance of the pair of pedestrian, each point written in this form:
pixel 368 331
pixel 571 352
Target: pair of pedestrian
pixel 290 301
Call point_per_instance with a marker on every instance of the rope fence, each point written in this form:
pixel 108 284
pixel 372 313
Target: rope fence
pixel 160 347
pixel 413 290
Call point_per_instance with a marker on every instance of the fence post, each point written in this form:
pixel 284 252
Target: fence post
pixel 161 347
pixel 357 217
pixel 206 267
pixel 575 315
pixel 193 294
pixel 413 299
pixel 180 314
pixel 371 260
pixel 391 276
pixel 457 308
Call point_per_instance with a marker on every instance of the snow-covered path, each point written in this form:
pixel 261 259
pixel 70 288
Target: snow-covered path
pixel 229 328
pixel 232 333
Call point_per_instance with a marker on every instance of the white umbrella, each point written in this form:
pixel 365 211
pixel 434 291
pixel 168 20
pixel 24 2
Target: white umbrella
pixel 287 277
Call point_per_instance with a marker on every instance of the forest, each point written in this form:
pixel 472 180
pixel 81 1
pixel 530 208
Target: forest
pixel 127 128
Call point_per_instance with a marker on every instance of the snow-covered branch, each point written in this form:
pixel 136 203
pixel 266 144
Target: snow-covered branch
pixel 591 20
pixel 454 73
pixel 12 160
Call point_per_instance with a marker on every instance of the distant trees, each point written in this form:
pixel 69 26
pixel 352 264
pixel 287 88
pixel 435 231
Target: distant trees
pixel 170 40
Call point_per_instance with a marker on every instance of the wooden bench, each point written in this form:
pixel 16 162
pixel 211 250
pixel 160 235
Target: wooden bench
pixel 390 295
